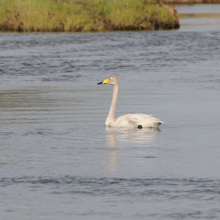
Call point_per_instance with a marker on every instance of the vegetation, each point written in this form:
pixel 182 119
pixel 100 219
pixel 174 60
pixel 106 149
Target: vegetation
pixel 85 15
pixel 191 1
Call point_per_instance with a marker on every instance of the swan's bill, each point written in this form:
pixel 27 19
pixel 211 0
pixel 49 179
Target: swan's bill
pixel 104 82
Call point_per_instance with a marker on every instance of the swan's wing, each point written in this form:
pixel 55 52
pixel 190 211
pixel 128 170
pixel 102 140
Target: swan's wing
pixel 139 119
pixel 135 119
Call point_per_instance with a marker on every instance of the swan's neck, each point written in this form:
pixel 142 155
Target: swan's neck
pixel 111 114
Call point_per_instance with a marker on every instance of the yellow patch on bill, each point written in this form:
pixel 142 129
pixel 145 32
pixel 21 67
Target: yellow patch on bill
pixel 105 81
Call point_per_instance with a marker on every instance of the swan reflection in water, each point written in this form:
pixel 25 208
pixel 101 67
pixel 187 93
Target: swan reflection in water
pixel 142 136
pixel 119 136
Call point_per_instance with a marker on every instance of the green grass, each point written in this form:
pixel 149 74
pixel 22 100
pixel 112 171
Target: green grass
pixel 85 15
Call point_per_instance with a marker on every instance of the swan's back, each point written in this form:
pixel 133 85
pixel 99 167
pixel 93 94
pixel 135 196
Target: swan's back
pixel 135 120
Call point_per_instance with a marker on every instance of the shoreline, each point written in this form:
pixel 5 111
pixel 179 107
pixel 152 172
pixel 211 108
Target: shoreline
pixel 189 2
pixel 86 16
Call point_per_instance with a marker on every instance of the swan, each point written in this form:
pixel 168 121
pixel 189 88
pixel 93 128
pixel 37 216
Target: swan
pixel 127 121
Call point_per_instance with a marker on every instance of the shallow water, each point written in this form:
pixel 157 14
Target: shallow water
pixel 199 17
pixel 58 161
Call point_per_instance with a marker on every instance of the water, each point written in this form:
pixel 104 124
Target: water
pixel 58 161
pixel 199 17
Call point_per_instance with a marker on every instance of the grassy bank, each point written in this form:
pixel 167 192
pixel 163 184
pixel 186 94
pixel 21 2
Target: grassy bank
pixel 85 15
pixel 191 1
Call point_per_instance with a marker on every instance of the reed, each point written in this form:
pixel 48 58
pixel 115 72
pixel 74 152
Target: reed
pixel 85 15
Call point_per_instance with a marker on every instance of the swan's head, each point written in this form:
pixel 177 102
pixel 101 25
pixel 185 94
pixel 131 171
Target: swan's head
pixel 111 80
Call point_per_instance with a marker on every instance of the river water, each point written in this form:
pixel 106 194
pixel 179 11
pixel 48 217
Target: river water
pixel 58 161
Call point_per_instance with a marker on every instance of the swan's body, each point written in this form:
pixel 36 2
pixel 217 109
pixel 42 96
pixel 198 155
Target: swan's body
pixel 127 121
pixel 135 120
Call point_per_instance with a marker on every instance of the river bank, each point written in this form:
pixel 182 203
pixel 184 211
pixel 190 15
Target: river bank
pixel 85 16
pixel 178 2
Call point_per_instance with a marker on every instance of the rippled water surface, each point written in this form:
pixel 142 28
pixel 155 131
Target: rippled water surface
pixel 199 17
pixel 58 161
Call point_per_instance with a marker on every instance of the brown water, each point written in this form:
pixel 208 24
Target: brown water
pixel 58 161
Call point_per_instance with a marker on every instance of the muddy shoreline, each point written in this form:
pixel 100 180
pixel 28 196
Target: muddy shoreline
pixel 188 2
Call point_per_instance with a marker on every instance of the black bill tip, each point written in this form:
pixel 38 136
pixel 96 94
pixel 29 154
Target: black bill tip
pixel 99 83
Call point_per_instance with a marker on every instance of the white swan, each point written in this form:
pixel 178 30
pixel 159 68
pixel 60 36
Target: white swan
pixel 127 121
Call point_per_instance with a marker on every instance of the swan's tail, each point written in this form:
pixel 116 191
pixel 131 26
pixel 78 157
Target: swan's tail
pixel 157 124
